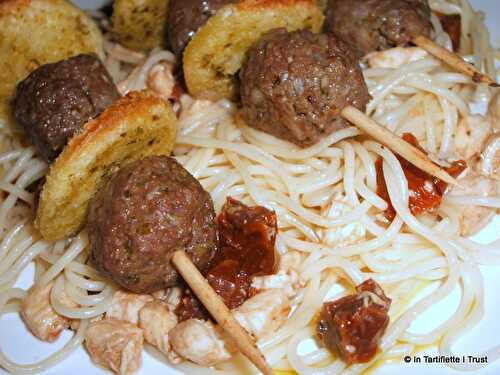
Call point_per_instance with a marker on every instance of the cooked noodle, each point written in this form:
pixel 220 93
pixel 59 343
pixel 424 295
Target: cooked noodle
pixel 326 203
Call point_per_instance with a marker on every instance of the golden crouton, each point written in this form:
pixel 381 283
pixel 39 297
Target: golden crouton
pixel 36 32
pixel 217 51
pixel 140 24
pixel 137 125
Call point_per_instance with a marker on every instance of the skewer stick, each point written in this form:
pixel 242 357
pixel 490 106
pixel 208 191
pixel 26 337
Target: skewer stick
pixel 219 310
pixel 452 59
pixel 395 143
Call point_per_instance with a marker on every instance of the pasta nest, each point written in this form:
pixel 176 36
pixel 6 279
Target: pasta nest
pixel 136 126
pixel 217 51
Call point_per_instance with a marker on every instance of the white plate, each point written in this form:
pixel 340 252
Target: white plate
pixel 20 346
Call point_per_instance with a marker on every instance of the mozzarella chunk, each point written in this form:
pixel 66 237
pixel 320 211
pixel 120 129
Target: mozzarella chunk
pixel 264 313
pixel 126 306
pixel 200 342
pixel 115 345
pixel 489 164
pixel 203 343
pixel 156 321
pixel 161 79
pixel 471 135
pixel 40 317
pixel 474 218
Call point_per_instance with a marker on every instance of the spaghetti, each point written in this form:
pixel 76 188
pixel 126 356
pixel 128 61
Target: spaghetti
pixel 325 199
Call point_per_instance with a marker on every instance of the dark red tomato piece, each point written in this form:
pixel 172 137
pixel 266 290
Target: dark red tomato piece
pixel 352 326
pixel 190 307
pixel 425 190
pixel 246 248
pixel 452 24
pixel 247 236
pixel 230 281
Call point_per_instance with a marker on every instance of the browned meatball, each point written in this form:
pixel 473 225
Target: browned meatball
pixel 143 214
pixel 56 100
pixel 376 25
pixel 294 85
pixel 185 17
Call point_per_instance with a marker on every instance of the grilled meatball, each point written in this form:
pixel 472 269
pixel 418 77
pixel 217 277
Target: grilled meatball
pixel 294 85
pixel 56 100
pixel 185 17
pixel 143 214
pixel 376 25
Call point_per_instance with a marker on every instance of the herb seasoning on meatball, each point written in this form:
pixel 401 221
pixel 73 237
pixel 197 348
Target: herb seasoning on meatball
pixel 376 25
pixel 56 100
pixel 143 214
pixel 294 85
pixel 186 17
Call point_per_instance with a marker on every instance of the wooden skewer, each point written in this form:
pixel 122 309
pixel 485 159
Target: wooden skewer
pixel 219 310
pixel 453 60
pixel 395 143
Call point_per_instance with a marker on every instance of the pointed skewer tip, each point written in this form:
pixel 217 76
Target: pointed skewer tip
pixel 215 305
pixel 452 59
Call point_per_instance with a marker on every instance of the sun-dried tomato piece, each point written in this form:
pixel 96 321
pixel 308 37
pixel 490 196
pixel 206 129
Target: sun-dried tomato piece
pixel 425 190
pixel 452 24
pixel 246 248
pixel 191 307
pixel 352 326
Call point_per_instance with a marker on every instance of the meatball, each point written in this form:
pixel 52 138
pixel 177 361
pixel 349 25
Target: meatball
pixel 56 100
pixel 186 17
pixel 144 213
pixel 376 25
pixel 294 85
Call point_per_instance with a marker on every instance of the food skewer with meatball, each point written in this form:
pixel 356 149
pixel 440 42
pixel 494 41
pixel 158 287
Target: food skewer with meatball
pixel 320 100
pixel 302 86
pixel 141 211
pixel 313 86
pixel 210 75
pixel 170 205
pixel 149 216
pixel 377 25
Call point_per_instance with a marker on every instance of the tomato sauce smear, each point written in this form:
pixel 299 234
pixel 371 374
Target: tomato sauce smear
pixel 425 190
pixel 246 248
